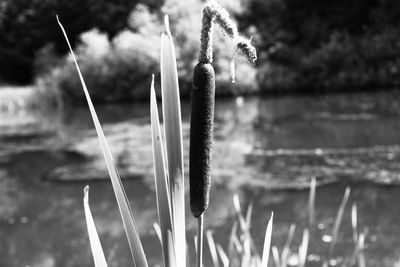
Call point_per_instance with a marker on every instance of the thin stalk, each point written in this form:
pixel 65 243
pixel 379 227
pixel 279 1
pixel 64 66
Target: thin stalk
pixel 199 258
pixel 338 222
pixel 213 248
pixel 354 223
pixel 286 248
pixel 311 204
pixel 275 254
pixel 267 242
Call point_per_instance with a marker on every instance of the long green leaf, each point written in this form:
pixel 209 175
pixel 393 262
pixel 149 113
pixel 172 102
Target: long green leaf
pixel 311 204
pixel 361 254
pixel 244 226
pixel 131 230
pixel 213 248
pixel 267 242
pixel 249 214
pixel 354 223
pixel 275 254
pixel 157 229
pixel 304 248
pixel 163 200
pixel 338 222
pixel 222 255
pixel 173 137
pixel 97 250
pixel 286 248
pixel 231 246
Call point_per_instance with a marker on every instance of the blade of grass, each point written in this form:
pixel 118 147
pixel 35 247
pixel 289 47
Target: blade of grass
pixel 237 244
pixel 162 195
pixel 356 253
pixel 231 246
pixel 361 255
pixel 275 254
pixel 173 137
pixel 239 214
pixel 157 229
pixel 338 222
pixel 267 242
pixel 222 255
pixel 246 255
pixel 131 230
pixel 311 204
pixel 212 247
pixel 97 250
pixel 354 223
pixel 286 248
pixel 244 226
pixel 304 248
pixel 248 214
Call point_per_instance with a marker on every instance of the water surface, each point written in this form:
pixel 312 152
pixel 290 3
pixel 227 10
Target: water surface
pixel 264 149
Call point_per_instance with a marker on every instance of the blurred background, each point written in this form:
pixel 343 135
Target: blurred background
pixel 321 101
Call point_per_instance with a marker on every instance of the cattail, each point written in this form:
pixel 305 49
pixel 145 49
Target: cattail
pixel 201 135
pixel 203 99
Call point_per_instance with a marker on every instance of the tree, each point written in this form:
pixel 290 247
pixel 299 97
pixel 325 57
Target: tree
pixel 28 25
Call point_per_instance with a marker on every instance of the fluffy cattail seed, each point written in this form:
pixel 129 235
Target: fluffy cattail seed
pixel 247 49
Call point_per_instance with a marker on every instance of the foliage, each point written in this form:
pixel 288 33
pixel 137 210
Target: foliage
pixel 303 45
pixel 119 69
pixel 313 46
pixel 336 45
pixel 343 62
pixel 28 25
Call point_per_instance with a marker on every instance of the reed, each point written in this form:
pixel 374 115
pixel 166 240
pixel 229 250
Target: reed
pixel 311 203
pixel 202 113
pixel 97 250
pixel 338 222
pixel 128 220
pixel 162 190
pixel 203 95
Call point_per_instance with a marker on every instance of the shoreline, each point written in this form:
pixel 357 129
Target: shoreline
pixel 19 97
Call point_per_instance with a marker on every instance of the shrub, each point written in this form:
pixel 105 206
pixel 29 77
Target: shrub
pixel 28 25
pixel 119 69
pixel 115 71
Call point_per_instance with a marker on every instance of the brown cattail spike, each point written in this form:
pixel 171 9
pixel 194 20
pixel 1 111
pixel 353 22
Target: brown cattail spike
pixel 203 94
pixel 201 135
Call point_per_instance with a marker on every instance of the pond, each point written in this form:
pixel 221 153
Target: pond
pixel 266 151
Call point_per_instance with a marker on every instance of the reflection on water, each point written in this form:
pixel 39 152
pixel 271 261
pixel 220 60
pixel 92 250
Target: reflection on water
pixel 261 145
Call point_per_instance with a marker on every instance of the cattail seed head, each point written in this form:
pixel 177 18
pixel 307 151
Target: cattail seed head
pixel 201 135
pixel 203 99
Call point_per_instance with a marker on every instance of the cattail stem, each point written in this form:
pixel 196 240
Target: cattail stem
pixel 200 229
